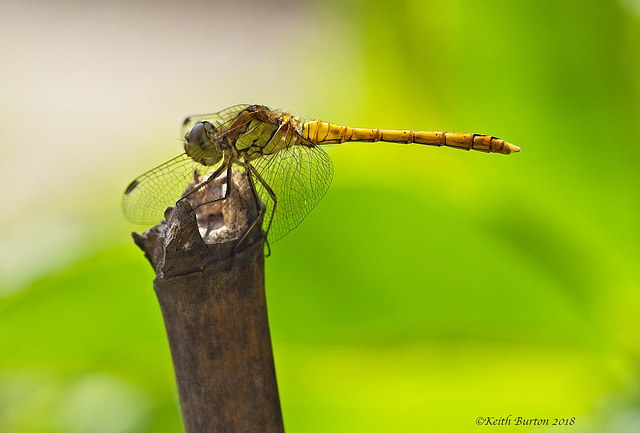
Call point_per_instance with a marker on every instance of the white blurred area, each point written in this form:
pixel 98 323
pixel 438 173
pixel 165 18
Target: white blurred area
pixel 94 93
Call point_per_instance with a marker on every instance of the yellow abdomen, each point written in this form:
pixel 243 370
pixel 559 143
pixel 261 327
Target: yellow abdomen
pixel 319 132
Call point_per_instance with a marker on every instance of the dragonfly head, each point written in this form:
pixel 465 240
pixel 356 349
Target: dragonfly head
pixel 200 144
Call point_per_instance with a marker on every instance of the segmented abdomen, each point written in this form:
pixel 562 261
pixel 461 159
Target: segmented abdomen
pixel 319 132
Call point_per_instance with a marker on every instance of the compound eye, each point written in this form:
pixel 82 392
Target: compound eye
pixel 196 135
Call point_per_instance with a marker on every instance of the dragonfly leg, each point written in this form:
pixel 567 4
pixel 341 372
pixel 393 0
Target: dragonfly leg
pixel 249 170
pixel 213 176
pixel 212 224
pixel 271 194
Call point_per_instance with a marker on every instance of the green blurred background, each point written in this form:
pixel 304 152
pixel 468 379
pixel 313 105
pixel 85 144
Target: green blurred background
pixel 430 287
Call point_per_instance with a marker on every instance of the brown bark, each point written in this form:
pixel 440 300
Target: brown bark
pixel 213 303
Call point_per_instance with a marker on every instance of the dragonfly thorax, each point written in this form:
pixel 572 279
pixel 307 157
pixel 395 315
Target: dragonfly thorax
pixel 201 145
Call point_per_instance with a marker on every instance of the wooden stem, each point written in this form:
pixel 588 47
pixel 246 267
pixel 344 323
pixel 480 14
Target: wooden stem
pixel 213 303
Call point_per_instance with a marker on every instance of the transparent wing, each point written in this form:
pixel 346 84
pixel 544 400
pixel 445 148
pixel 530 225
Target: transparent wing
pixel 147 197
pixel 216 119
pixel 299 176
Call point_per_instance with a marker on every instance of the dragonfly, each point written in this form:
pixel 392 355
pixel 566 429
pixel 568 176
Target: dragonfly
pixel 282 156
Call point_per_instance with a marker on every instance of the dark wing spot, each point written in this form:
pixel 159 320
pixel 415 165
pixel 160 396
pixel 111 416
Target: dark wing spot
pixel 133 185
